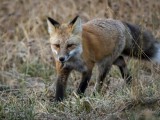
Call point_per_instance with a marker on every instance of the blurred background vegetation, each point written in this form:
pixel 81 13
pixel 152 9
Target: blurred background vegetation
pixel 27 65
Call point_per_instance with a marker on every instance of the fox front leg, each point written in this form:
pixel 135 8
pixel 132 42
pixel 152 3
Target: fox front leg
pixel 86 76
pixel 62 76
pixel 61 86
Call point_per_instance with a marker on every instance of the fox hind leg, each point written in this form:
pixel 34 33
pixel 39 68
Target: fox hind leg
pixel 120 62
pixel 103 69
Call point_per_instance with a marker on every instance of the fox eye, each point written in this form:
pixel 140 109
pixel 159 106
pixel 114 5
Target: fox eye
pixel 70 45
pixel 56 45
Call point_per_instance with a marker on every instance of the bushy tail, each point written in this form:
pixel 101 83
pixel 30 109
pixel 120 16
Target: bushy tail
pixel 143 44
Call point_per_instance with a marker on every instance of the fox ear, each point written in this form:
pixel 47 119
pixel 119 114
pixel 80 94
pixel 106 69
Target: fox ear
pixel 76 25
pixel 52 25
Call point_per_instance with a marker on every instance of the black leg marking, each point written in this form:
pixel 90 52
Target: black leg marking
pixel 103 69
pixel 61 84
pixel 120 62
pixel 84 82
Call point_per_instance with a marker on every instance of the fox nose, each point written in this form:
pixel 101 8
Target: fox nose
pixel 61 59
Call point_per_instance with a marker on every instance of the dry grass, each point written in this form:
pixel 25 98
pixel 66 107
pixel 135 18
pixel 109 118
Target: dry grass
pixel 27 64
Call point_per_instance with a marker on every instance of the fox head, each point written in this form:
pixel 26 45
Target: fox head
pixel 65 39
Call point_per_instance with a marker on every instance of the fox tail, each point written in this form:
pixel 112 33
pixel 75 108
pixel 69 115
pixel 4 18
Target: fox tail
pixel 143 44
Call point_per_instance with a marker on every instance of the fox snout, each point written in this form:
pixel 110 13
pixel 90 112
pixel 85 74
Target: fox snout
pixel 63 59
pixel 64 55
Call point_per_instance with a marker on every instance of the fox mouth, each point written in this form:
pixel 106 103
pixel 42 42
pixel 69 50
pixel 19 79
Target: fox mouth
pixel 64 65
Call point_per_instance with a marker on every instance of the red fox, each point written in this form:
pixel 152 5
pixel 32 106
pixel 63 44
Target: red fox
pixel 100 41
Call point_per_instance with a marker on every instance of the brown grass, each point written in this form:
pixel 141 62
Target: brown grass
pixel 27 63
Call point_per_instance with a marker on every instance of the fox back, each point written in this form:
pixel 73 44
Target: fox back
pixel 102 38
